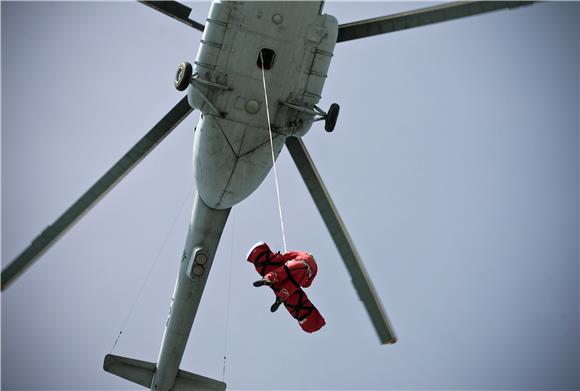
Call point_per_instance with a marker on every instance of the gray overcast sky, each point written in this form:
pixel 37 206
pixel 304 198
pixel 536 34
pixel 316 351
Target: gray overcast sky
pixel 454 165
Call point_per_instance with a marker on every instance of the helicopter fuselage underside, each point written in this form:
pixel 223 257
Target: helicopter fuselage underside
pixel 291 44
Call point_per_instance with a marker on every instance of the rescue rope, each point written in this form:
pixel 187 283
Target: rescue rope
pixel 273 158
pixel 152 267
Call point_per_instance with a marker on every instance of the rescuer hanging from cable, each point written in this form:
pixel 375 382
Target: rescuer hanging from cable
pixel 287 274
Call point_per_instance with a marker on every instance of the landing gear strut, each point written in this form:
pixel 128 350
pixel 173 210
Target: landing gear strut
pixel 329 118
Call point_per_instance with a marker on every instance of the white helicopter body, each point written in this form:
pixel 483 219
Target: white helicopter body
pixel 257 78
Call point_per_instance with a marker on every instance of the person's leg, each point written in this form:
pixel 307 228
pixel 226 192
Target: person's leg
pixel 302 309
pixel 274 307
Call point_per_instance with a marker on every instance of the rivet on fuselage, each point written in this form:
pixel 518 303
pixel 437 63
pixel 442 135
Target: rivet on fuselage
pixel 252 107
pixel 277 19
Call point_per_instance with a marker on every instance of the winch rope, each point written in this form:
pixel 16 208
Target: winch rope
pixel 229 296
pixel 151 268
pixel 273 158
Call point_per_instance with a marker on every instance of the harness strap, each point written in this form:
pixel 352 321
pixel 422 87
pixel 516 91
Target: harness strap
pixel 290 277
pixel 268 261
pixel 295 309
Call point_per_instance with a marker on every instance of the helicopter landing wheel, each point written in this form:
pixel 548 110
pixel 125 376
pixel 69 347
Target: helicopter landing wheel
pixel 331 117
pixel 183 76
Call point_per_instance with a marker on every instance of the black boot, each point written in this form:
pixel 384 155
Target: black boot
pixel 276 305
pixel 262 282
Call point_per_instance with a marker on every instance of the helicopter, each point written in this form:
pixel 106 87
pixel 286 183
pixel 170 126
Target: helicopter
pixel 289 108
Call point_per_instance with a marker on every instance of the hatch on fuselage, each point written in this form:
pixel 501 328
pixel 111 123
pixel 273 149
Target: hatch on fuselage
pixel 265 59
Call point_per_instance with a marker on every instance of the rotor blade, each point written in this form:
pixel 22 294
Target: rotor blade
pixel 175 10
pixel 420 17
pixel 98 190
pixel 342 240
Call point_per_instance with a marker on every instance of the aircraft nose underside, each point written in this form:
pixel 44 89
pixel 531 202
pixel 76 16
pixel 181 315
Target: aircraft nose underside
pixel 231 160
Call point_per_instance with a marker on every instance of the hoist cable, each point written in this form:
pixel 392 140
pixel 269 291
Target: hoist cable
pixel 273 158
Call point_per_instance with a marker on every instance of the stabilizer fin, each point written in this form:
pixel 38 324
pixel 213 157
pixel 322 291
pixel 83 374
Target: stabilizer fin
pixel 187 381
pixel 141 372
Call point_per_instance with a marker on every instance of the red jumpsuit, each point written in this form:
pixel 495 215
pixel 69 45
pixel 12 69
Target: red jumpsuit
pixel 288 273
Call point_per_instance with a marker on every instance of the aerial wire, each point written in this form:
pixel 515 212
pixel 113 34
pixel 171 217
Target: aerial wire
pixel 229 296
pixel 273 158
pixel 151 268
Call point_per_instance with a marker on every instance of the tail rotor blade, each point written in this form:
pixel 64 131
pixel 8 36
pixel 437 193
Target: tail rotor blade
pixel 420 17
pixel 342 240
pixel 176 11
pixel 50 235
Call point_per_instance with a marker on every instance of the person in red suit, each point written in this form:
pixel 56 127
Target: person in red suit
pixel 287 274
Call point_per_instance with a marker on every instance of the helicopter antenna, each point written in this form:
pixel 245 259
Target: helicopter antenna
pixel 151 268
pixel 229 294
